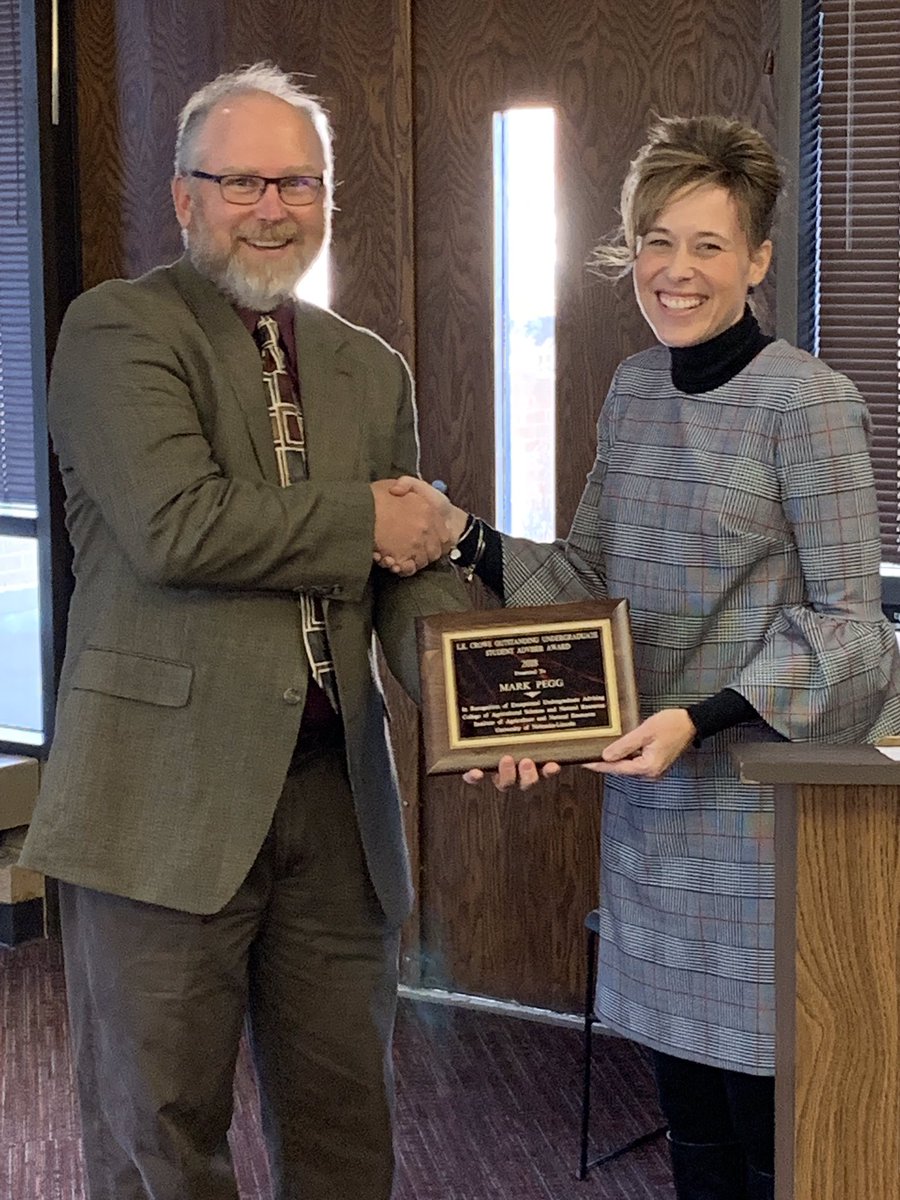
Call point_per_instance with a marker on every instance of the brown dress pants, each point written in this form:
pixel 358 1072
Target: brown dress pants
pixel 158 998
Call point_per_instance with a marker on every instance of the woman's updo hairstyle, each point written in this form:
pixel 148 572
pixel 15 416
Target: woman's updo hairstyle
pixel 687 152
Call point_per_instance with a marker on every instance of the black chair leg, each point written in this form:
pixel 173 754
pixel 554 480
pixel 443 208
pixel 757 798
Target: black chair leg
pixel 588 1047
pixel 591 924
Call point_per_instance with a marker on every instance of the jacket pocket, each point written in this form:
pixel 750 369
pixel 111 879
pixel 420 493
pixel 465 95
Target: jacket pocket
pixel 133 677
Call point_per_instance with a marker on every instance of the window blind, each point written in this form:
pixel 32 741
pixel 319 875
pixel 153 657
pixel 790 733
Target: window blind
pixel 17 476
pixel 858 100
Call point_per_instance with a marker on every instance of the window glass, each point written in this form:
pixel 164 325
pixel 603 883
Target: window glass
pixel 851 85
pixel 21 715
pixel 315 286
pixel 525 321
pixel 21 700
pixel 17 477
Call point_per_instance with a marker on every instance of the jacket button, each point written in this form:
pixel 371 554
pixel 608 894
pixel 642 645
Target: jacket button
pixel 292 696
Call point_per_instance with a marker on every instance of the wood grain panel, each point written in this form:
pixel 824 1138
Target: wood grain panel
pixel 99 141
pixel 506 883
pixel 136 65
pixel 500 915
pixel 286 32
pixel 847 1054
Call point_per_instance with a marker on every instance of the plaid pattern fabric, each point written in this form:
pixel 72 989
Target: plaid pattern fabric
pixel 289 438
pixel 741 525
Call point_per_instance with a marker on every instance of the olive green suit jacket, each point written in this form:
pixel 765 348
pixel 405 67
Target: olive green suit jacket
pixel 185 672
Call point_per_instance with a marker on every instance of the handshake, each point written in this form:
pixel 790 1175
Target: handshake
pixel 414 524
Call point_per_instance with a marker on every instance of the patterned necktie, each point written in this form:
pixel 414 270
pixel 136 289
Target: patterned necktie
pixel 289 439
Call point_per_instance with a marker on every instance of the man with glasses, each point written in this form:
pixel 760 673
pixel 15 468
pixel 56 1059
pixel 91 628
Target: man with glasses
pixel 220 804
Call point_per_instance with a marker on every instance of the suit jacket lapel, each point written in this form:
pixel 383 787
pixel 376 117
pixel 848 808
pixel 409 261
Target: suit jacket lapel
pixel 235 353
pixel 331 392
pixel 331 388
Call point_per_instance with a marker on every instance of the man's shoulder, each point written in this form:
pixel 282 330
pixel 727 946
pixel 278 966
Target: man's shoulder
pixel 154 288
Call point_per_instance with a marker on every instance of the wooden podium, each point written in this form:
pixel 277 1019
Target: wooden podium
pixel 837 955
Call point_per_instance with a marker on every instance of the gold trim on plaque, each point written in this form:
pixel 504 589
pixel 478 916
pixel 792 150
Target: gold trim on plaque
pixel 603 625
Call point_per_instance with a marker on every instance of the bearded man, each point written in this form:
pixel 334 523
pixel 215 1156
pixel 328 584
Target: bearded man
pixel 220 803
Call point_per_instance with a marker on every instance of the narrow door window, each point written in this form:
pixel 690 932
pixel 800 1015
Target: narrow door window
pixel 525 321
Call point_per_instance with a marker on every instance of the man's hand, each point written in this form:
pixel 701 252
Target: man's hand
pixel 411 531
pixel 650 749
pixel 454 518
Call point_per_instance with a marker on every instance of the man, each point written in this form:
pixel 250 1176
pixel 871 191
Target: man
pixel 220 802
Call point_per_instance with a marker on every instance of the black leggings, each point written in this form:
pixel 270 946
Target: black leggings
pixel 709 1104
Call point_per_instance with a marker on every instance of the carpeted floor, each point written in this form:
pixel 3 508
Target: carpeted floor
pixel 488 1106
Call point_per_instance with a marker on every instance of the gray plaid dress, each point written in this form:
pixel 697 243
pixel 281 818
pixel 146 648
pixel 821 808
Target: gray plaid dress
pixel 741 525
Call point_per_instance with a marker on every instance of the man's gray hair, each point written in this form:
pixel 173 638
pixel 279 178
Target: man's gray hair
pixel 260 77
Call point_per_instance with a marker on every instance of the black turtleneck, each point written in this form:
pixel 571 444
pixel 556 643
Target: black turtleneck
pixel 701 368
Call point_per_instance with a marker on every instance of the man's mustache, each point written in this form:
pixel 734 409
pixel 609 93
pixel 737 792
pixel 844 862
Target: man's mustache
pixel 273 232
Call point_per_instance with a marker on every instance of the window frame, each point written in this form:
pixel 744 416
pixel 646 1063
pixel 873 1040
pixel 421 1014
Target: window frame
pixel 54 255
pixel 801 100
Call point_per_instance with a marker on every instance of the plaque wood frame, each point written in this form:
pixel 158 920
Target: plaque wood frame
pixel 459 733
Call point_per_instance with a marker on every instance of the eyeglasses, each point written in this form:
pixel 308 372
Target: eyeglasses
pixel 294 190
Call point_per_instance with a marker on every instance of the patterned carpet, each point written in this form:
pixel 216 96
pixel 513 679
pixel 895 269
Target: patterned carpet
pixel 488 1106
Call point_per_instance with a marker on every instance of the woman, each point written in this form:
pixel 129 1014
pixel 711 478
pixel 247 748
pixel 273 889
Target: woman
pixel 732 503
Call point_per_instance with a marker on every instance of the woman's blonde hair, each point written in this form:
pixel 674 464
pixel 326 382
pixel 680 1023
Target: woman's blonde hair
pixel 686 152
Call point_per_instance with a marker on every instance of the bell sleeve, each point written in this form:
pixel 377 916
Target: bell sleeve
pixel 828 668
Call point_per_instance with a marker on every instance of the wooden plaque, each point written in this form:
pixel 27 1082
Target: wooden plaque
pixel 550 682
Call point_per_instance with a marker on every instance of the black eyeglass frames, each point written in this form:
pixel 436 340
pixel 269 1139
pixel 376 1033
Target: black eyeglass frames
pixel 296 190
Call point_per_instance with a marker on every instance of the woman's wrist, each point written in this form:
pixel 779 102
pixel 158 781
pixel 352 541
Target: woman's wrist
pixel 457 522
pixel 722 711
pixel 469 547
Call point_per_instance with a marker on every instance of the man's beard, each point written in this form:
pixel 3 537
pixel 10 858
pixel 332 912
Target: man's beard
pixel 263 286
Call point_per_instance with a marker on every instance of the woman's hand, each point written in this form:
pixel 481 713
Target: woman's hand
pixel 526 773
pixel 649 750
